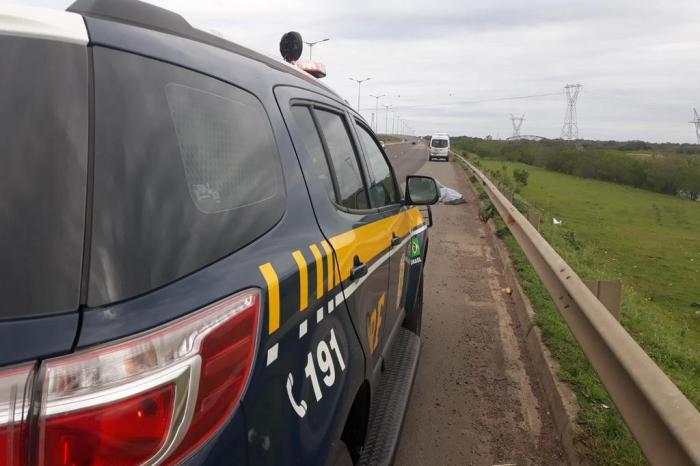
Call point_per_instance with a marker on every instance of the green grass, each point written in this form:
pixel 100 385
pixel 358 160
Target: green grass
pixel 388 138
pixel 650 241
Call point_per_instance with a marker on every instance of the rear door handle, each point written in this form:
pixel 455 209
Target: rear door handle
pixel 359 269
pixel 395 240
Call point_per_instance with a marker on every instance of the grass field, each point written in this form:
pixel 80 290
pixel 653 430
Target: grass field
pixel 650 241
pixel 388 138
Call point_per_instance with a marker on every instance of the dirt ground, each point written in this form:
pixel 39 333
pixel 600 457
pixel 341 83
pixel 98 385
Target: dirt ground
pixel 474 401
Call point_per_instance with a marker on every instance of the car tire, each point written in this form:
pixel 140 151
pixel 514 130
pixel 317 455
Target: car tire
pixel 341 456
pixel 414 321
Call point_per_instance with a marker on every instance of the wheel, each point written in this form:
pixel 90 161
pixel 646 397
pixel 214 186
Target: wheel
pixel 413 321
pixel 430 159
pixel 341 456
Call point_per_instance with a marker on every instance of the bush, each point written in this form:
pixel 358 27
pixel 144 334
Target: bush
pixel 521 176
pixel 668 169
pixel 487 212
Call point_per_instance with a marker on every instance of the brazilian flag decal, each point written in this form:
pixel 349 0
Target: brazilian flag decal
pixel 415 248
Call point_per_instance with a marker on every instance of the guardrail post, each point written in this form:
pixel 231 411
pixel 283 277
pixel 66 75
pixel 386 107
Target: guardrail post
pixel 608 292
pixel 535 219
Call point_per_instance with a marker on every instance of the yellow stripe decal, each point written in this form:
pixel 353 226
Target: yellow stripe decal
pixel 303 280
pixel 273 296
pixel 368 241
pixel 319 270
pixel 331 267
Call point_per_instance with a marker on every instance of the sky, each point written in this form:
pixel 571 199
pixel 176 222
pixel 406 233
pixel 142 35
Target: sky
pixel 456 67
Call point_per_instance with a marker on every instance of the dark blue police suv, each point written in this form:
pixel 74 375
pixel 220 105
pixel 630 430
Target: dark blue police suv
pixel 206 257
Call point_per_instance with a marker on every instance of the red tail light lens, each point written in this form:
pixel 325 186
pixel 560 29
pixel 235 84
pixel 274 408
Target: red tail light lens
pixel 14 406
pixel 129 431
pixel 150 399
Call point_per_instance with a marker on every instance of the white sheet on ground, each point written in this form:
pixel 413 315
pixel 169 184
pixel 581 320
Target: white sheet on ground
pixel 449 195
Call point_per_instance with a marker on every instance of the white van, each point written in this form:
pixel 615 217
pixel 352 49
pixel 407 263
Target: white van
pixel 439 147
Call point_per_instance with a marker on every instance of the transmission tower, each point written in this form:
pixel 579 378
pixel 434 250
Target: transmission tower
pixel 570 129
pixel 517 123
pixel 696 122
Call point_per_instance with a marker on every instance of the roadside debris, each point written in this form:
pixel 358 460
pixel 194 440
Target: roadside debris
pixel 556 221
pixel 449 196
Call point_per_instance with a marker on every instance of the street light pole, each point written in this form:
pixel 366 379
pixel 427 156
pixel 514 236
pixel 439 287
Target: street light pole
pixel 376 111
pixel 311 45
pixel 359 85
pixel 386 118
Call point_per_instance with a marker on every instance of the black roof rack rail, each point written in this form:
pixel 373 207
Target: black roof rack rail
pixel 134 12
pixel 145 15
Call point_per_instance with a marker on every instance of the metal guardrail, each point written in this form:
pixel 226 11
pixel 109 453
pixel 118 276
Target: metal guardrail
pixel 665 424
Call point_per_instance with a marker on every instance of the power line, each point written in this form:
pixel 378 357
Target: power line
pixel 696 122
pixel 470 102
pixel 517 123
pixel 570 129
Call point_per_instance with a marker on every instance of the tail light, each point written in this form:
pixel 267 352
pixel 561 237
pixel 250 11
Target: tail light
pixel 150 399
pixel 14 406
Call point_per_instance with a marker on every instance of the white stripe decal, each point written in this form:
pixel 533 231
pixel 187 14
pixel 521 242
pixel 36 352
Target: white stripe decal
pixel 420 229
pixel 350 289
pixel 330 306
pixel 354 285
pixel 319 315
pixel 303 327
pixel 272 353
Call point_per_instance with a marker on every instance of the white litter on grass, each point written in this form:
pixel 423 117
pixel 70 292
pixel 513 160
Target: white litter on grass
pixel 556 221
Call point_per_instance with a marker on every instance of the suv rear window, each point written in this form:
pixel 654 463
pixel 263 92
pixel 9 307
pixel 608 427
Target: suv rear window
pixel 43 136
pixel 187 171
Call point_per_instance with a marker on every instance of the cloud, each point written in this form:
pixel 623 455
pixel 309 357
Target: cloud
pixel 637 59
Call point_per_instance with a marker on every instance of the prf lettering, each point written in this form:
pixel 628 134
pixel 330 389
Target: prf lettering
pixel 375 324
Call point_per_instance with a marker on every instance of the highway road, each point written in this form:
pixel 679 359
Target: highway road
pixel 476 399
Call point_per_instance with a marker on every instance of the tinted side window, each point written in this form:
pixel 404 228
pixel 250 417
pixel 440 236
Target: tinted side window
pixel 43 175
pixel 312 141
pixel 221 150
pixel 186 171
pixel 382 189
pixel 347 171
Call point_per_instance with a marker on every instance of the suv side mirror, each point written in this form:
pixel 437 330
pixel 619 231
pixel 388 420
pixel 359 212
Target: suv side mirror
pixel 421 190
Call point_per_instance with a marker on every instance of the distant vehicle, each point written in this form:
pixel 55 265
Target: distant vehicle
pixel 439 147
pixel 382 144
pixel 413 142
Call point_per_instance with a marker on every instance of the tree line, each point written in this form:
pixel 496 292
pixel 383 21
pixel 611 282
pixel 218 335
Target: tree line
pixel 676 173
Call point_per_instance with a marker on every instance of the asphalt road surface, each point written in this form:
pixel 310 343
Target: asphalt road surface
pixel 476 400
